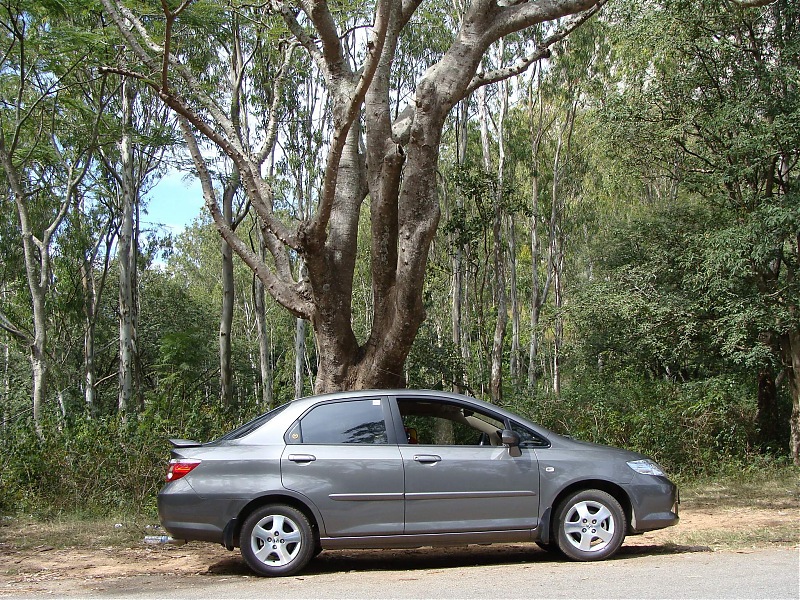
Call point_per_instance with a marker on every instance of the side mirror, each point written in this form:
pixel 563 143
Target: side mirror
pixel 511 441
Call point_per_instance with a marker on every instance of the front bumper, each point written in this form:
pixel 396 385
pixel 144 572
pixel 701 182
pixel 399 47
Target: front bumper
pixel 655 501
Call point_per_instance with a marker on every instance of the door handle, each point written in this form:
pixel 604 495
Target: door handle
pixel 302 458
pixel 427 459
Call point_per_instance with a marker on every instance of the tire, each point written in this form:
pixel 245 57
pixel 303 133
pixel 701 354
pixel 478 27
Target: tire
pixel 277 540
pixel 551 547
pixel 590 525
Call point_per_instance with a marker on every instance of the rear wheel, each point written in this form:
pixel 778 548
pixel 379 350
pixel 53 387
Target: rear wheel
pixel 590 525
pixel 277 540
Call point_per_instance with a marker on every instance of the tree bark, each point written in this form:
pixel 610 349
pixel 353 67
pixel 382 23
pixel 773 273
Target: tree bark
pixel 514 362
pixel 36 253
pixel 228 299
pixel 457 293
pixel 539 290
pixel 263 333
pixel 794 377
pixel 299 356
pixel 126 254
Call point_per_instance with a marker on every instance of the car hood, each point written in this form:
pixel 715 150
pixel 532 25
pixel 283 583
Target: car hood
pixel 601 449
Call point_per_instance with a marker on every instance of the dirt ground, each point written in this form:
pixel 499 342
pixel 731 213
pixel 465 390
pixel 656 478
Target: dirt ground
pixel 44 569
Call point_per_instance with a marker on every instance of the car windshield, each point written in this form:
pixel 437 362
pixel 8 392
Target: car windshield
pixel 251 426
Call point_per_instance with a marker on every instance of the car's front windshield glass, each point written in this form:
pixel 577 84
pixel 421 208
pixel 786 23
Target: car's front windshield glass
pixel 251 426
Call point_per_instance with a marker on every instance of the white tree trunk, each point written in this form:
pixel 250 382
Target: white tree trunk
pixel 126 256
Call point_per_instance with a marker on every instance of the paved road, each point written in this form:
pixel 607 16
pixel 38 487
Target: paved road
pixel 518 573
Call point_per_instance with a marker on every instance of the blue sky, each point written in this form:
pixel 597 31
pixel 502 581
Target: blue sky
pixel 174 202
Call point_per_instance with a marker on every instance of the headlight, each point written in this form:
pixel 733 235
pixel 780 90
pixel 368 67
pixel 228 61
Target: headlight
pixel 646 467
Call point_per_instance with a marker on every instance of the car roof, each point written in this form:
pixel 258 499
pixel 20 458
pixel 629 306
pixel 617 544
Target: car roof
pixel 400 393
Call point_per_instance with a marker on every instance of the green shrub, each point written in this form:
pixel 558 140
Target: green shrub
pixel 692 428
pixel 101 466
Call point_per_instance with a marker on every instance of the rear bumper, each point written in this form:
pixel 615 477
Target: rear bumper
pixel 187 516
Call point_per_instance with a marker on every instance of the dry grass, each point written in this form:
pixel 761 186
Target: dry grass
pixel 780 491
pixel 26 534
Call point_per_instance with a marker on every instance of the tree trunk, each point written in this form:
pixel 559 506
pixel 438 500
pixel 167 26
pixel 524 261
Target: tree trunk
pixel 90 377
pixel 398 169
pixel 767 411
pixel 39 363
pixel 299 356
pixel 92 296
pixel 126 255
pixel 36 253
pixel 539 291
pixel 558 333
pixel 498 256
pixel 514 363
pixel 6 382
pixel 264 339
pixel 228 299
pixel 794 374
pixel 557 251
pixel 457 297
pixel 226 326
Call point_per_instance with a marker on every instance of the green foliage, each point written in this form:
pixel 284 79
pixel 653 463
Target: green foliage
pixel 690 428
pixel 89 466
pixel 433 362
pixel 102 466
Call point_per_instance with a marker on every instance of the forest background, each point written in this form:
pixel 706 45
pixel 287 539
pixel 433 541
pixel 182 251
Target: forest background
pixel 616 253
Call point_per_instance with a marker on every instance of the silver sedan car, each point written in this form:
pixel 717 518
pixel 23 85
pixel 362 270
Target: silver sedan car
pixel 406 468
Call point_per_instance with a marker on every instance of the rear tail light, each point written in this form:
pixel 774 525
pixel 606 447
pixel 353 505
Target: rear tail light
pixel 180 467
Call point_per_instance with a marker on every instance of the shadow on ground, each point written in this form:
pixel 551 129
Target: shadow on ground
pixel 438 558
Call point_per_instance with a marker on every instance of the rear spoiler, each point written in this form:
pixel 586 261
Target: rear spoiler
pixel 179 443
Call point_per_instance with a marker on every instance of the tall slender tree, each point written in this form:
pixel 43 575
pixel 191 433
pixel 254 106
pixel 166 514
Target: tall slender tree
pixel 47 147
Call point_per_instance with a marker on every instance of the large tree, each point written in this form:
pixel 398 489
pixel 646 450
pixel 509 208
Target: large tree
pixel 379 147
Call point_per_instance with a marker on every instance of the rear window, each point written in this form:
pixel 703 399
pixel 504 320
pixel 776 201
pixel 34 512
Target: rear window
pixel 251 426
pixel 351 422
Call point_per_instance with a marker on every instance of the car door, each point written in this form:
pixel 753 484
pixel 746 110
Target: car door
pixel 338 455
pixel 459 478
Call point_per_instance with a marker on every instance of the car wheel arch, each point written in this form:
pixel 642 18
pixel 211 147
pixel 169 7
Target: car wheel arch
pixel 615 490
pixel 234 526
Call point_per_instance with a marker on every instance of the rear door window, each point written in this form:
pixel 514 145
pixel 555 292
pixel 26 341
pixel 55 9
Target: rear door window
pixel 351 422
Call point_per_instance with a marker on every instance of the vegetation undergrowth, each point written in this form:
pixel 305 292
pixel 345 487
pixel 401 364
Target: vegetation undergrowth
pixel 101 467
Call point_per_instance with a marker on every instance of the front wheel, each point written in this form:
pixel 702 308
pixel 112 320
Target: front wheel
pixel 277 540
pixel 590 525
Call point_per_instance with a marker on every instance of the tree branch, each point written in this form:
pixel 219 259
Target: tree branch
pixel 753 3
pixel 541 51
pixel 513 18
pixel 289 295
pixel 6 325
pixel 347 105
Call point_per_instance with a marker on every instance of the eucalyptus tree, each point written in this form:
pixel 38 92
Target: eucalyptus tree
pixel 131 160
pixel 354 49
pixel 47 147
